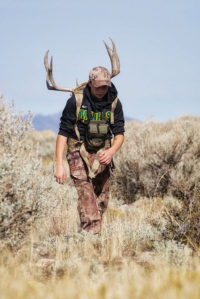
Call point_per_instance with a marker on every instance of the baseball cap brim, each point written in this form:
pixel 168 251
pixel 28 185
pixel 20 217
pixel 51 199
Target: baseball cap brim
pixel 98 83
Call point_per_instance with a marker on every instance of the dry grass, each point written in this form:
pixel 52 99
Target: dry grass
pixel 129 259
pixel 130 281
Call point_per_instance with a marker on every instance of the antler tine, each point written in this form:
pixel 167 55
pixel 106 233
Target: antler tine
pixel 49 77
pixel 47 69
pixel 114 58
pixel 46 61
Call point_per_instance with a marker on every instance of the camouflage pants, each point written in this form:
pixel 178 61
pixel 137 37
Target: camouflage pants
pixel 93 194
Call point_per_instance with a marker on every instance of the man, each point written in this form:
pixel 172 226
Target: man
pixel 90 157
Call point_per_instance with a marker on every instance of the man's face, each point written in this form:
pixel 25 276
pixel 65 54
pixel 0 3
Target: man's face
pixel 98 92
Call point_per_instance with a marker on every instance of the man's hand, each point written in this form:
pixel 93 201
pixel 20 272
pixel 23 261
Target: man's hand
pixel 106 156
pixel 60 174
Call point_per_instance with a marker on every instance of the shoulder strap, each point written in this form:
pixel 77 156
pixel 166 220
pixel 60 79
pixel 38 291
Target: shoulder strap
pixel 113 106
pixel 89 111
pixel 79 99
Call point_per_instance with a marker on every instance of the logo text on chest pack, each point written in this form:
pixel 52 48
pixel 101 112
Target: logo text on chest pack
pixel 83 115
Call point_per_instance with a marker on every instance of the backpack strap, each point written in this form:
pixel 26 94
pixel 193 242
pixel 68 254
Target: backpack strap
pixel 79 100
pixel 113 106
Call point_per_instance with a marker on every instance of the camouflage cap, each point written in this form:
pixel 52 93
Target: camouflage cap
pixel 100 76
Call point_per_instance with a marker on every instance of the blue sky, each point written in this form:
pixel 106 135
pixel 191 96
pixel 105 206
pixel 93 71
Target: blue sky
pixel 158 42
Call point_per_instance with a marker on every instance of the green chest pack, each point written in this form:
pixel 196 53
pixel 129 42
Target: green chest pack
pixel 96 133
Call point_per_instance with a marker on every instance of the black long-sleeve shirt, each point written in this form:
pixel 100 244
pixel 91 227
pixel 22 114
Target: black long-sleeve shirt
pixel 68 118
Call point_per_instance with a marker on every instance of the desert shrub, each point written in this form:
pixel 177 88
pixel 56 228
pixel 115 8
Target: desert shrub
pixel 183 221
pixel 26 192
pixel 159 159
pixel 44 143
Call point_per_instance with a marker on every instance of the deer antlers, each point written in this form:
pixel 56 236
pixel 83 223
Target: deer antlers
pixel 114 58
pixel 49 77
pixel 115 63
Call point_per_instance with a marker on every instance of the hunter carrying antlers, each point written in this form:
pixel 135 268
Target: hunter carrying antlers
pixel 92 115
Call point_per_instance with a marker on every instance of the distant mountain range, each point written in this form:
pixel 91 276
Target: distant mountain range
pixel 47 122
pixel 51 122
